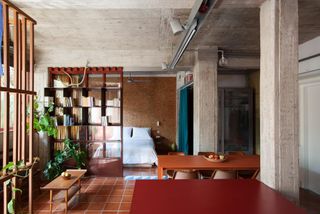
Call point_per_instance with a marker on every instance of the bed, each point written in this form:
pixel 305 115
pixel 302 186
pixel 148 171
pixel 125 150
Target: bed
pixel 138 147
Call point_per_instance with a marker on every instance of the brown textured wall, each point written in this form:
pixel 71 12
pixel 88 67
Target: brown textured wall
pixel 147 102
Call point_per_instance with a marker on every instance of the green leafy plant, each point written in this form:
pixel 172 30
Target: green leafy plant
pixel 19 170
pixel 71 151
pixel 42 121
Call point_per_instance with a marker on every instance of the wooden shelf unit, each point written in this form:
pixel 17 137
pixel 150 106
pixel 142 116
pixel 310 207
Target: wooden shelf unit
pixel 82 130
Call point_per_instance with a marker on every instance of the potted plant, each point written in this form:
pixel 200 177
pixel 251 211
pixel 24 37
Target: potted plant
pixel 71 151
pixel 43 122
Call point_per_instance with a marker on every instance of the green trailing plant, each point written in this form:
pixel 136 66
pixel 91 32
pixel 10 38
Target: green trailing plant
pixel 71 151
pixel 42 121
pixel 18 170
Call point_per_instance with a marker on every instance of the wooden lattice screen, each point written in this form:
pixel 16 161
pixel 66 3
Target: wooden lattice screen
pixel 21 91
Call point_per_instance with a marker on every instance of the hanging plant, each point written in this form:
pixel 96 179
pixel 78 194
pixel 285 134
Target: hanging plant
pixel 18 170
pixel 42 121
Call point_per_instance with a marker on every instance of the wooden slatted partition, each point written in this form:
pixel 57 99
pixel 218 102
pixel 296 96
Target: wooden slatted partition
pixel 22 92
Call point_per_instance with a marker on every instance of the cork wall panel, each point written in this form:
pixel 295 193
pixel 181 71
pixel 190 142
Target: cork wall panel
pixel 147 102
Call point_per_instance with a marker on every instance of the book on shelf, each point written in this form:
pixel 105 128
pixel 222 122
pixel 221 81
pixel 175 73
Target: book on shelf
pixel 48 101
pixel 113 113
pixel 112 84
pixel 77 115
pixel 68 120
pixel 58 146
pixel 87 101
pixel 94 116
pixel 68 102
pixel 62 133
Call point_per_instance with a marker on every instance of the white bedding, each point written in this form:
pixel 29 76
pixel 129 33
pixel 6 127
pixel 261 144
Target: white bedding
pixel 135 151
pixel 139 151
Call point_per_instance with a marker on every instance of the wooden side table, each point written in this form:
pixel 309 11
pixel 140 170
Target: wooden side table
pixel 70 186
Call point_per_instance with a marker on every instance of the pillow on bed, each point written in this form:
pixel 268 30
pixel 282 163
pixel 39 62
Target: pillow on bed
pixel 141 133
pixel 126 133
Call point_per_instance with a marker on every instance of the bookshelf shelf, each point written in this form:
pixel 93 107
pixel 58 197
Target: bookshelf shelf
pixel 89 114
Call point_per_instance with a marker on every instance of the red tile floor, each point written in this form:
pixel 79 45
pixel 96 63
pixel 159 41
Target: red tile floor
pixel 114 195
pixel 98 195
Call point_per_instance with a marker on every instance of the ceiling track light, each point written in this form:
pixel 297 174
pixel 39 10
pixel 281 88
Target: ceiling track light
pixel 176 26
pixel 187 39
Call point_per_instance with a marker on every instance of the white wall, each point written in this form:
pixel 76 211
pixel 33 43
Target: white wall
pixel 308 49
pixel 309 104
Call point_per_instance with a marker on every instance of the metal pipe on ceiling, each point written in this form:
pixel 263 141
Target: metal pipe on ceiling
pixel 199 12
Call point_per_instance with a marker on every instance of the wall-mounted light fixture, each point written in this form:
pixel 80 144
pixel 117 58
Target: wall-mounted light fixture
pixel 223 60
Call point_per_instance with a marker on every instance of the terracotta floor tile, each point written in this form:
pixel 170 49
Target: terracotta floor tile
pixel 128 192
pixel 115 198
pixel 127 198
pixel 104 192
pixel 100 198
pixel 131 182
pixel 121 186
pixel 58 212
pixel 110 181
pixel 120 181
pixel 117 192
pixel 41 206
pixel 96 206
pixel 42 212
pixel 109 212
pixel 112 206
pixel 93 212
pixel 76 211
pixel 125 206
pixel 80 206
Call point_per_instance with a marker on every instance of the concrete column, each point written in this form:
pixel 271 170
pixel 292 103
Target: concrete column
pixel 205 91
pixel 279 95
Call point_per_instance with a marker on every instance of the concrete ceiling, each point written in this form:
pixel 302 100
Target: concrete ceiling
pixel 236 28
pixel 130 33
pixel 136 33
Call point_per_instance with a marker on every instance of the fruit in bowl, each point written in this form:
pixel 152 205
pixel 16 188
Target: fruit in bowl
pixel 221 157
pixel 66 175
pixel 211 156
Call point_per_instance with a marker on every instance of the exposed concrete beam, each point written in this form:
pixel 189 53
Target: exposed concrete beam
pixel 239 4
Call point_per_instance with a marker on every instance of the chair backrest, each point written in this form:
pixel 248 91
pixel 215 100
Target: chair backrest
pixel 220 174
pixel 240 153
pixel 176 153
pixel 179 175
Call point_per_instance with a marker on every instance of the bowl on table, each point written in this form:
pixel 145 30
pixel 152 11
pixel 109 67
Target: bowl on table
pixel 216 158
pixel 66 175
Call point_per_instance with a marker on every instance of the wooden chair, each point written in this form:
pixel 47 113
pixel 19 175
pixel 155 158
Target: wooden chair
pixel 182 174
pixel 186 174
pixel 256 175
pixel 243 174
pixel 206 174
pixel 171 173
pixel 221 174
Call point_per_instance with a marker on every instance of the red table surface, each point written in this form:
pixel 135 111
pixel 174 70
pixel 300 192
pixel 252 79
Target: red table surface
pixel 208 196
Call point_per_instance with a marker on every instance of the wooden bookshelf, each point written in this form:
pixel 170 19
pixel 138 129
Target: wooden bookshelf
pixel 88 114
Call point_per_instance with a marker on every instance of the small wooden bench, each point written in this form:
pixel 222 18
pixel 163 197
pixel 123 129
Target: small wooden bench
pixel 69 186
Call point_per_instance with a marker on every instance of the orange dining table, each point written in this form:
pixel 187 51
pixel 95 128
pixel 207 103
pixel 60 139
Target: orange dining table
pixel 198 162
